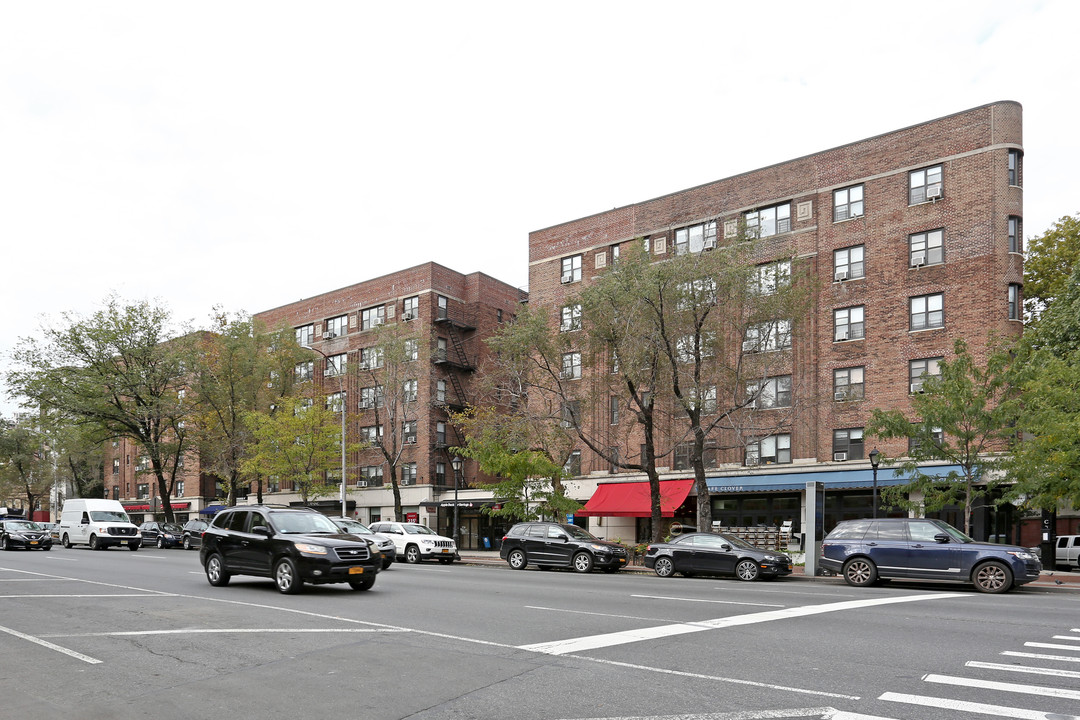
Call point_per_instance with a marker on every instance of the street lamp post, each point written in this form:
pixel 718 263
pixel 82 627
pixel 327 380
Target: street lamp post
pixel 341 399
pixel 874 461
pixel 456 463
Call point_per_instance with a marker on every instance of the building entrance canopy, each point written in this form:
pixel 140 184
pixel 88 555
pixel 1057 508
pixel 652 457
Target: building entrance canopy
pixel 834 480
pixel 633 499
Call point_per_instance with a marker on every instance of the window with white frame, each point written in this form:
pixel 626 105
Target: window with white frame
pixel 1015 157
pixel 572 466
pixel 116 466
pixel 441 349
pixel 1014 302
pixel 773 392
pixel 920 370
pixel 849 384
pixel 336 326
pixel 571 269
pixel 847 444
pixel 847 203
pixel 695 238
pixel 408 473
pixel 273 484
pixel 571 366
pixel 571 318
pixel 849 323
pixel 305 334
pixel 770 277
pixel 371 434
pixel 440 473
pixel 773 450
pixel 143 490
pixel 371 397
pixel 410 308
pixel 696 293
pixel 412 349
pixel 937 436
pixel 768 336
pixel 410 390
pixel 371 358
pixel 440 392
pixel 305 370
pixel 615 254
pixel 408 432
pixel 335 365
pixel 769 221
pixel 924 185
pixel 179 488
pixel 335 401
pixel 372 317
pixel 442 307
pixel 849 263
pixel 705 404
pixel 928 311
pixel 926 248
pixel 440 434
pixel 371 475
pixel 1016 238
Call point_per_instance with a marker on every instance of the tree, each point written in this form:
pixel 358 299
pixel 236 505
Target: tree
pixel 1051 259
pixel 966 417
pixel 77 455
pixel 25 467
pixel 117 371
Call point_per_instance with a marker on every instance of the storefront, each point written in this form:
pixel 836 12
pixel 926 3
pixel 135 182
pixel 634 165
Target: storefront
pixel 477 529
pixel 154 511
pixel 626 507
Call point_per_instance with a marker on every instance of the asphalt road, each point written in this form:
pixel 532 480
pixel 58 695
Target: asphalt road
pixel 122 634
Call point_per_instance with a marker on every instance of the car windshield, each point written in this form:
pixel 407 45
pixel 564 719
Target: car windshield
pixel 353 527
pixel 171 527
pixel 418 529
pixel 737 542
pixel 109 516
pixel 302 522
pixel 21 525
pixel 578 533
pixel 954 533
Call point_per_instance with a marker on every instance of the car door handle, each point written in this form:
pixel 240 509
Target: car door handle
pixel 918 545
pixel 871 544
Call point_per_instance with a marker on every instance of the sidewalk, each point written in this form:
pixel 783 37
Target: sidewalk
pixel 1050 578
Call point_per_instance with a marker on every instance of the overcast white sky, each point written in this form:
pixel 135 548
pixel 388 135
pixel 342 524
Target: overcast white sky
pixel 250 154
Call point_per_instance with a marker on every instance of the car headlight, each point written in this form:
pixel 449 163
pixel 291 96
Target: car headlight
pixel 1023 554
pixel 772 558
pixel 600 548
pixel 425 541
pixel 309 549
pixel 16 536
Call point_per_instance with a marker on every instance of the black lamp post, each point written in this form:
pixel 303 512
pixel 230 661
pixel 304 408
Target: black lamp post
pixel 456 463
pixel 874 461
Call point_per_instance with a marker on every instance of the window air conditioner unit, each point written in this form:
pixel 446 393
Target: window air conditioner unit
pixel 361 483
pixel 329 335
pixel 567 278
pixel 407 316
pixel 916 387
pixel 839 396
pixel 710 244
pixel 842 335
pixel 752 462
pixel 933 192
pixel 840 274
pixel 410 439
pixel 748 346
pixel 839 456
pixel 377 321
pixel 918 259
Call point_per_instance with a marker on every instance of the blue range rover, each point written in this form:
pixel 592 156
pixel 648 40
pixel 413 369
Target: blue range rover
pixel 864 551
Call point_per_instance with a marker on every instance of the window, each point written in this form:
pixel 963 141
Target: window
pixel 410 308
pixel 1015 157
pixel 335 401
pixel 849 323
pixel 924 185
pixel 336 326
pixel 142 464
pixel 408 432
pixel 441 347
pixel 847 203
pixel 371 358
pixel 927 311
pixel 572 466
pixel 773 392
pixel 335 364
pixel 774 450
pixel 442 307
pixel 410 390
pixel 408 473
pixel 412 349
pixel 116 466
pixel 371 475
pixel 179 488
pixel 305 334
pixel 613 455
pixel 849 384
pixel 498 315
pixel 1016 239
pixel 440 473
pixel 143 491
pixel 571 269
pixel 696 293
pixel 681 458
pixel 695 238
pixel 614 254
pixel 764 337
pixel 371 397
pixel 372 317
pixel 919 370
pixel 571 318
pixel 926 248
pixel 848 263
pixel 937 435
pixel 440 433
pixel 1014 302
pixel 768 278
pixel 769 221
pixel 570 413
pixel 847 444
pixel 613 410
pixel 371 434
pixel 571 366
pixel 440 392
pixel 706 404
pixel 305 370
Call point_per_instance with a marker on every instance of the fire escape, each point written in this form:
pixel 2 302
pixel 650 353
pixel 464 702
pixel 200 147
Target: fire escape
pixel 453 360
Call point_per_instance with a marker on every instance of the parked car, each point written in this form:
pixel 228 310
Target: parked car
pixel 864 551
pixel 385 544
pixel 715 554
pixel 415 542
pixel 1067 551
pixel 290 545
pixel 164 535
pixel 549 544
pixel 24 534
pixel 52 528
pixel 99 523
pixel 192 532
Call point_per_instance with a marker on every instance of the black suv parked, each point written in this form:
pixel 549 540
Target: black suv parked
pixel 161 534
pixel 924 549
pixel 193 530
pixel 290 545
pixel 550 544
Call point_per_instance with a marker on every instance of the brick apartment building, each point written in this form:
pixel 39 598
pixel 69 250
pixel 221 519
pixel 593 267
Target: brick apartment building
pixel 916 237
pixel 452 313
pixel 129 479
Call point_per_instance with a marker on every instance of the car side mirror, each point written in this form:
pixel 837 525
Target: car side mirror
pixel 261 530
pixel 725 546
pixel 941 537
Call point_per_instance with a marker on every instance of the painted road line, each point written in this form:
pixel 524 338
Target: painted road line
pixel 823 713
pixel 90 582
pixel 699 600
pixel 592 642
pixel 51 646
pixel 1003 686
pixel 993 710
pixel 208 631
pixel 1040 656
pixel 586 612
pixel 1023 669
pixel 147 594
pixel 1066 637
pixel 1052 646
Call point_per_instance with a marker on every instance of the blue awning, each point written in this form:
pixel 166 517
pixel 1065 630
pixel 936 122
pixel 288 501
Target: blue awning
pixel 212 509
pixel 833 479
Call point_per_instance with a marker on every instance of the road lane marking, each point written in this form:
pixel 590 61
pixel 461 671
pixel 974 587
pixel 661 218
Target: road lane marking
pixel 89 582
pixel 1065 637
pixel 51 646
pixel 1040 656
pixel 586 612
pixel 822 713
pixel 993 710
pixel 208 631
pixel 1004 686
pixel 1023 669
pixel 1052 646
pixel 146 594
pixel 592 642
pixel 701 600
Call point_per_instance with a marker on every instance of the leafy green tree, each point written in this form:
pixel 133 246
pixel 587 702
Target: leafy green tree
pixel 965 417
pixel 117 370
pixel 1051 258
pixel 77 454
pixel 25 466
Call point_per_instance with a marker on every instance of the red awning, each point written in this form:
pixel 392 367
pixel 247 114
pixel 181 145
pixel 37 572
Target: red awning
pixel 632 499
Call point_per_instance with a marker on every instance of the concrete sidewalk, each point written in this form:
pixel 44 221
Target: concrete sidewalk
pixel 1050 578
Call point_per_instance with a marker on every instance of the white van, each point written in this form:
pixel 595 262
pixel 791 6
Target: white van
pixel 98 523
pixel 1067 551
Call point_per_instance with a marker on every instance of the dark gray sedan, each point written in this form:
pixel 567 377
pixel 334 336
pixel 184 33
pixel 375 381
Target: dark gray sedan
pixel 714 554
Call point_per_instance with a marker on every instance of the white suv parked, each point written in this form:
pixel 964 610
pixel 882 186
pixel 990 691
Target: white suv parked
pixel 415 542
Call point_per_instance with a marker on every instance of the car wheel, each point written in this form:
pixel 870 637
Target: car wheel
pixel 583 562
pixel 187 543
pixel 4 544
pixel 747 570
pixel 216 573
pixel 286 577
pixel 386 563
pixel 992 577
pixel 412 554
pixel 365 584
pixel 516 559
pixel 161 543
pixel 664 567
pixel 134 546
pixel 859 572
pixel 46 547
pixel 65 541
pixel 94 545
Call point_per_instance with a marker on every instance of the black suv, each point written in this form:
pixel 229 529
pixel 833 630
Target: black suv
pixel 549 544
pixel 923 549
pixel 290 545
pixel 193 530
pixel 161 534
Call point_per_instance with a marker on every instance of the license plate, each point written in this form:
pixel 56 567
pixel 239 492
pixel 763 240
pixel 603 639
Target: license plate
pixel 356 571
pixel 789 568
pixel 445 550
pixel 622 560
pixel 33 542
